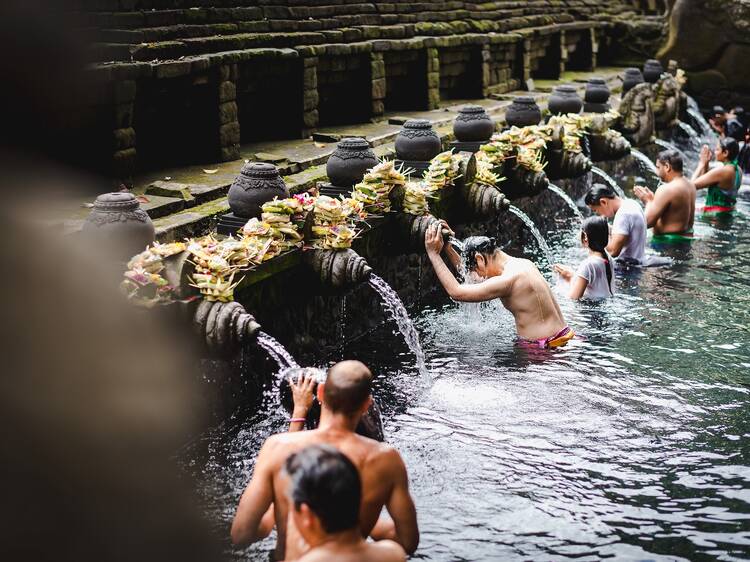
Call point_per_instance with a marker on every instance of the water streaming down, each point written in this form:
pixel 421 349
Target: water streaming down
pixel 608 180
pixel 535 231
pixel 690 143
pixel 666 145
pixel 277 351
pixel 397 311
pixel 707 135
pixel 568 201
pixel 646 165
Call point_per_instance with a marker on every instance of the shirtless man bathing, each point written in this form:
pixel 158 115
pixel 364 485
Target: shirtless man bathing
pixel 671 210
pixel 345 397
pixel 515 281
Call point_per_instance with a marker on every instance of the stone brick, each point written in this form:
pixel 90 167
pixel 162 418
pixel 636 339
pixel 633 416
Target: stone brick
pixel 227 91
pixel 433 98
pixel 227 112
pixel 124 138
pixel 124 91
pixel 310 119
pixel 310 78
pixel 124 163
pixel 124 115
pixel 224 73
pixel 310 99
pixel 433 80
pixel 229 134
pixel 378 107
pixel 172 69
pixel 378 89
pixel 229 153
pixel 308 62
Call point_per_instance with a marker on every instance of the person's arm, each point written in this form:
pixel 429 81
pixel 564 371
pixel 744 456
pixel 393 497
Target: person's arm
pixel 577 287
pixel 479 292
pixel 616 244
pixel 711 177
pixel 656 203
pixel 302 395
pixel 400 505
pixel 255 501
pixel 703 161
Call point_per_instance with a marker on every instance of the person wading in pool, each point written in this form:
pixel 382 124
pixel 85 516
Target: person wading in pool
pixel 724 181
pixel 627 241
pixel 594 277
pixel 345 397
pixel 671 210
pixel 516 282
pixel 324 493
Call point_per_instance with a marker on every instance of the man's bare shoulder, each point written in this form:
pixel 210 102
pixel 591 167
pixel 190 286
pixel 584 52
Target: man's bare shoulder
pixel 387 550
pixel 381 551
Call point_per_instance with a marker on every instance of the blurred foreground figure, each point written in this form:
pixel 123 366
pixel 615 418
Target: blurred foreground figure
pixel 95 396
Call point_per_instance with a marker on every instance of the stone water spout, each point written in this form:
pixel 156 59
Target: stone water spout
pixel 485 200
pixel 224 327
pixel 522 182
pixel 338 270
pixel 605 143
pixel 563 163
pixel 410 232
pixel 636 115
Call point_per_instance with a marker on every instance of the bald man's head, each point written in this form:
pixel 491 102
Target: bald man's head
pixel 347 387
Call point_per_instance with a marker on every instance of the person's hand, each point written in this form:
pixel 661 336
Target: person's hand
pixel 706 155
pixel 302 394
pixel 643 193
pixel 433 239
pixel 563 271
pixel 446 229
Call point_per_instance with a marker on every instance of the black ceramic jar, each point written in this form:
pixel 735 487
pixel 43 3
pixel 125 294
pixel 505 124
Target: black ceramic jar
pixel 257 183
pixel 473 124
pixel 523 112
pixel 417 141
pixel 564 99
pixel 350 161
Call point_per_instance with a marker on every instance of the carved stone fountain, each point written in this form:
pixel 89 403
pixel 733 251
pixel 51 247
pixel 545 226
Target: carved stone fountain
pixel 636 120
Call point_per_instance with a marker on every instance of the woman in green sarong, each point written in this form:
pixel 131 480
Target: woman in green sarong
pixel 723 182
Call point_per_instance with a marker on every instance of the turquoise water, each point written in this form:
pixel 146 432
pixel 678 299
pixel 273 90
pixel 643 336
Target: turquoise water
pixel 631 443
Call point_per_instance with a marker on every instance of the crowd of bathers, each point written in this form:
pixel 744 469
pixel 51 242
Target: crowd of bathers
pixel 324 484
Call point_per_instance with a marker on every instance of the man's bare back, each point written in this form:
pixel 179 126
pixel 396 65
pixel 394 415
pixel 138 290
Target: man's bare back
pixel 382 551
pixel 679 212
pixel 383 474
pixel 531 301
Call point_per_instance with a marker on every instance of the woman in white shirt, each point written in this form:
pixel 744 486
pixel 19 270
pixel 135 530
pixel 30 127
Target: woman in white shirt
pixel 594 277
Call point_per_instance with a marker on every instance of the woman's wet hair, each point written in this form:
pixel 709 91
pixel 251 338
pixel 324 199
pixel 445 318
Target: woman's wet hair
pixel 474 245
pixel 730 146
pixel 327 482
pixel 599 191
pixel 671 157
pixel 596 229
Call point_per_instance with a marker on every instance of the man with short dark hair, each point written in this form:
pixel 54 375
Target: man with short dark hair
pixel 324 492
pixel 671 210
pixel 344 396
pixel 627 241
pixel 727 124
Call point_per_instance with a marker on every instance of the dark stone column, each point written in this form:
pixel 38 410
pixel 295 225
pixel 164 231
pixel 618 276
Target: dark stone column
pixel 433 78
pixel 310 97
pixel 124 156
pixel 377 69
pixel 229 126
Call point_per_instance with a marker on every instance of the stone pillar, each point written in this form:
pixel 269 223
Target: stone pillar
pixel 310 98
pixel 229 126
pixel 486 54
pixel 563 51
pixel 433 78
pixel 377 69
pixel 594 48
pixel 124 157
pixel 526 46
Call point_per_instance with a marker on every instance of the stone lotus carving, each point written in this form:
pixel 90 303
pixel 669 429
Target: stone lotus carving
pixel 118 224
pixel 224 327
pixel 636 115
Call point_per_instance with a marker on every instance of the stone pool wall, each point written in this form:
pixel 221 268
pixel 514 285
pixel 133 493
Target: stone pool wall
pixel 186 81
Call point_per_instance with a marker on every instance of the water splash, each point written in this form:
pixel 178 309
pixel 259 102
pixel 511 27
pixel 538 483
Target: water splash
pixel 608 180
pixel 707 135
pixel 645 164
pixel 535 231
pixel 397 311
pixel 277 351
pixel 692 135
pixel 565 197
pixel 666 145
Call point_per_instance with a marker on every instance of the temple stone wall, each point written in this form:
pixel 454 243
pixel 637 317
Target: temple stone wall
pixel 247 70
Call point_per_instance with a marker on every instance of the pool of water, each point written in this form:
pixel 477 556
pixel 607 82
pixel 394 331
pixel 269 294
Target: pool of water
pixel 633 442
